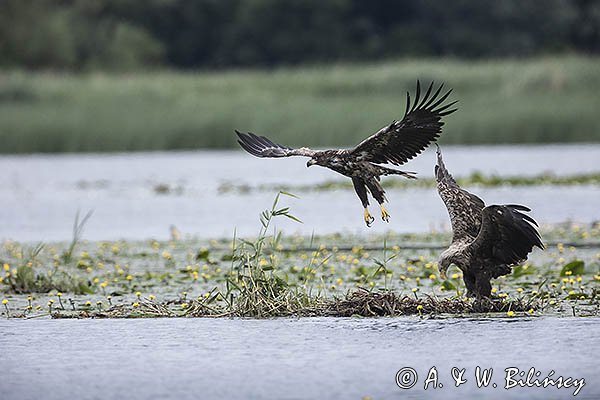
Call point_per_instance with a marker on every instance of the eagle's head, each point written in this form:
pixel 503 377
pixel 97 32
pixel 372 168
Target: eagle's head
pixel 328 158
pixel 444 262
pixel 319 159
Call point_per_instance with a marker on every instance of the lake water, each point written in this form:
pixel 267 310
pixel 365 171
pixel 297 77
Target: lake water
pixel 42 193
pixel 309 358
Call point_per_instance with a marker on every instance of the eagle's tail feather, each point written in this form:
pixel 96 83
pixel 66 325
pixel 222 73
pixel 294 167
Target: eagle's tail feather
pixel 389 171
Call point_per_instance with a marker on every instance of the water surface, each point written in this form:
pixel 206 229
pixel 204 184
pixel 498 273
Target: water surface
pixel 41 193
pixel 309 358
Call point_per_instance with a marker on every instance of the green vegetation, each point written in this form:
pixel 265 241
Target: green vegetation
pixel 272 275
pixel 533 101
pixel 118 34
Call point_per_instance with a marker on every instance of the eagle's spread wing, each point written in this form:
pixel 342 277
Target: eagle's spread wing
pixel 507 234
pixel 402 140
pixel 463 207
pixel 260 146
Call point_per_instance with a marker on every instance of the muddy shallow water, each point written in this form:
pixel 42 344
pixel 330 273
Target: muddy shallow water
pixel 317 358
pixel 139 195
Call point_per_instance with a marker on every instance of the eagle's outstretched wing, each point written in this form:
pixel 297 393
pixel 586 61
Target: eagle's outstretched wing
pixel 507 235
pixel 463 207
pixel 260 146
pixel 402 140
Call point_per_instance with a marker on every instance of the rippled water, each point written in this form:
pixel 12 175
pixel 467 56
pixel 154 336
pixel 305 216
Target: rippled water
pixel 41 193
pixel 316 358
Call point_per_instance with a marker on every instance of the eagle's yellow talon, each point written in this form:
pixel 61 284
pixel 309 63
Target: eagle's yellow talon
pixel 368 217
pixel 384 214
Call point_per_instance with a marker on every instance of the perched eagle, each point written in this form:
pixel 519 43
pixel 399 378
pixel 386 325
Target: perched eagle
pixel 486 241
pixel 396 144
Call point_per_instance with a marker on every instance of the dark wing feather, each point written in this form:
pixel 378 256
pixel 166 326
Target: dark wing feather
pixel 463 207
pixel 507 235
pixel 402 140
pixel 261 146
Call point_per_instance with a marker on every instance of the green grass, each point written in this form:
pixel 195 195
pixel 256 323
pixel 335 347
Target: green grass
pixel 535 101
pixel 274 275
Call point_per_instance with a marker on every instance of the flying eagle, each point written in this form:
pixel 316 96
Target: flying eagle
pixel 486 241
pixel 396 143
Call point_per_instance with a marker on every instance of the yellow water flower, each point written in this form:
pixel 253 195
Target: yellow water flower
pixel 494 290
pixel 59 294
pixel 454 276
pixel 5 301
pixel 184 305
pixel 531 311
pixel 414 290
pixel 432 277
pixel 510 313
pixel 420 307
pixel 520 290
pixel 6 267
pixel 151 297
pixel 138 294
pixel 136 305
pixel 129 277
pixel 88 303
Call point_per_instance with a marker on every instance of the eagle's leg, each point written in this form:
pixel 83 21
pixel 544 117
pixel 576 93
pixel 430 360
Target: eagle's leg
pixel 478 281
pixel 483 285
pixel 379 195
pixel 470 283
pixel 361 191
pixel 384 214
pixel 368 217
